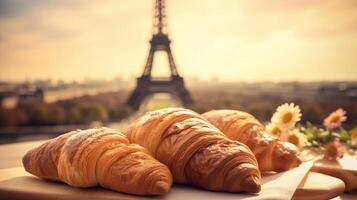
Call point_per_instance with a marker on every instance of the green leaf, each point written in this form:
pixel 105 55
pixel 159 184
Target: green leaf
pixel 344 135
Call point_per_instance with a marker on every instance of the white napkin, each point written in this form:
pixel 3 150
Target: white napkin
pixel 278 186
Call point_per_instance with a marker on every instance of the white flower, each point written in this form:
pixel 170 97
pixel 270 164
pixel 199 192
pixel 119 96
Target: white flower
pixel 274 130
pixel 295 137
pixel 286 116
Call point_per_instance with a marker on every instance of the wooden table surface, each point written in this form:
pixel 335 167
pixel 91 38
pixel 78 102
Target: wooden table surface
pixel 11 156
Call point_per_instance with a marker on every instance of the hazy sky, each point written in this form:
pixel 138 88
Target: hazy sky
pixel 228 39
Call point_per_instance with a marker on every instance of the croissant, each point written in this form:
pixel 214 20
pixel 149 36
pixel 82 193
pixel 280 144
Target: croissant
pixel 271 153
pixel 196 152
pixel 86 158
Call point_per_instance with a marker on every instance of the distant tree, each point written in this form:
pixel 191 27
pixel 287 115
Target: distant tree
pixel 73 115
pixel 13 117
pixel 47 115
pixel 120 111
pixel 92 112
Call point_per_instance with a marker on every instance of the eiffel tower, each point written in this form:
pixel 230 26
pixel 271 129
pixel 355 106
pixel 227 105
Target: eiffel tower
pixel 146 84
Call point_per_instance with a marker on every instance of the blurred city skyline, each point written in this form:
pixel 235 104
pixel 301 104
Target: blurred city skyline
pixel 229 40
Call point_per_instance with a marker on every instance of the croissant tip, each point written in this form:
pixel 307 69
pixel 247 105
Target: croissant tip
pixel 161 187
pixel 26 160
pixel 251 184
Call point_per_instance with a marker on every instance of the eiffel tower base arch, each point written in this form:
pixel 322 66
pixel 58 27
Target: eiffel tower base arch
pixel 146 86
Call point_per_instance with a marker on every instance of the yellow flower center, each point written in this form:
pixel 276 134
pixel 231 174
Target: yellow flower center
pixel 287 117
pixel 335 118
pixel 276 131
pixel 294 140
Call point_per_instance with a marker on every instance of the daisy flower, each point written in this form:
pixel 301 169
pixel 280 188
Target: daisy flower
pixel 333 150
pixel 295 137
pixel 274 130
pixel 286 116
pixel 335 119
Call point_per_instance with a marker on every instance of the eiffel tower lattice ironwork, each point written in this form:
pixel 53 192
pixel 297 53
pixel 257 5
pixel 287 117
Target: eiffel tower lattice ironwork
pixel 146 84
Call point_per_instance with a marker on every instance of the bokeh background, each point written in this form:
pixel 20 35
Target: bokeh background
pixel 72 64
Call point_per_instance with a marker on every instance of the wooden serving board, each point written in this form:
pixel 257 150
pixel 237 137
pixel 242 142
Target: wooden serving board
pixel 344 169
pixel 319 186
pixel 15 183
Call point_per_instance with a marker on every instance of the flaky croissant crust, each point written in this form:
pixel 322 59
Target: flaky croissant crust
pixel 271 153
pixel 195 151
pixel 86 158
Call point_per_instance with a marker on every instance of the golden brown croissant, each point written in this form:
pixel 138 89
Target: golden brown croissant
pixel 86 158
pixel 195 151
pixel 271 153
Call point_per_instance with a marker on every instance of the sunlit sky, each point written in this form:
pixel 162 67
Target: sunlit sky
pixel 247 40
